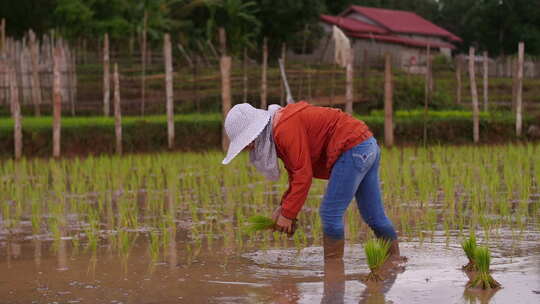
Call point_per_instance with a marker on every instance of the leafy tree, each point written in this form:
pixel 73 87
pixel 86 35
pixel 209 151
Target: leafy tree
pixel 281 20
pixel 238 19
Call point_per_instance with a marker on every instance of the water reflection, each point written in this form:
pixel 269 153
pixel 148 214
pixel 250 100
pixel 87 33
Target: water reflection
pixel 334 282
pixel 477 296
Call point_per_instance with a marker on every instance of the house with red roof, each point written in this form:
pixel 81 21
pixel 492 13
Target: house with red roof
pixel 375 31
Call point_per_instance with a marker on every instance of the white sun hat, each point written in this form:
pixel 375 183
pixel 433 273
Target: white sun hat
pixel 243 124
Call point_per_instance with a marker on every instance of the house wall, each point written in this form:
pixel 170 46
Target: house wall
pixel 403 57
pixel 428 38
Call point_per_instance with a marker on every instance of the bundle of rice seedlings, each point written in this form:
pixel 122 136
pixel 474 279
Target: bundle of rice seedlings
pixel 376 254
pixel 469 246
pixel 258 223
pixel 483 278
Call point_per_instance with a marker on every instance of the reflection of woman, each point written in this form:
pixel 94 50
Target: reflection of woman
pixel 314 142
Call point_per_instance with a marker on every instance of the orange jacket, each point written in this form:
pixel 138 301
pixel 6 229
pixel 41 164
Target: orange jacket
pixel 309 140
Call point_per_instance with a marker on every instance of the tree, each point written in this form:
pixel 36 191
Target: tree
pixel 239 20
pixel 282 19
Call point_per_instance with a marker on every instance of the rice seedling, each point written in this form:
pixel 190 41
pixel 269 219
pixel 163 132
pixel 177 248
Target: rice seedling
pixel 376 251
pixel 258 223
pixel 483 278
pixel 469 247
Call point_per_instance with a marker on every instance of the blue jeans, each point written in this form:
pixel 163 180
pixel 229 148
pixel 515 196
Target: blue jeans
pixel 356 173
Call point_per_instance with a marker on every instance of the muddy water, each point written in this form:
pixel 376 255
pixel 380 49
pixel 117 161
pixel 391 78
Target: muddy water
pixel 32 271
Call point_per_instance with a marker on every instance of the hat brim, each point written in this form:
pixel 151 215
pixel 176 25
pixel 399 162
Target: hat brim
pixel 246 137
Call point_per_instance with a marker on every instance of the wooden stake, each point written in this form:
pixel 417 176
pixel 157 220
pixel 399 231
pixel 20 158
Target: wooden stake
pixel 222 41
pixel 36 84
pixel 474 95
pixel 183 51
pixel 117 111
pixel 264 74
pixel 519 93
pixel 73 82
pixel 16 112
pixel 281 86
pixel 485 82
pixel 167 53
pixel 427 91
pixel 365 71
pixel 106 76
pixel 514 84
pixel 2 35
pixel 245 76
pixel 57 99
pixel 225 68
pixel 458 80
pixel 349 82
pixel 388 103
pixel 143 62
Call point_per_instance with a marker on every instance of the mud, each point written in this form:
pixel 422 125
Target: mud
pixel 33 271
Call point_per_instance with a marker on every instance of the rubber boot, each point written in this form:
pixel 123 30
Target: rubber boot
pixel 333 249
pixel 394 249
pixel 334 271
pixel 394 254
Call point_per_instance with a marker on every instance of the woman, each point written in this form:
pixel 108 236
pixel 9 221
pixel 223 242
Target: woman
pixel 314 142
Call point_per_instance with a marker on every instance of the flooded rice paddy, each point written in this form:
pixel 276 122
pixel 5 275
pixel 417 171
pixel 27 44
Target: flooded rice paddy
pixel 167 228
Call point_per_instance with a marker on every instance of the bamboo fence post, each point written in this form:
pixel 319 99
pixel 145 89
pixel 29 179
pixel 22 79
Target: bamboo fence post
pixel 333 84
pixel 281 86
pixel 458 80
pixel 485 82
pixel 349 82
pixel 73 82
pixel 212 49
pixel 3 80
pixel 196 83
pixel 301 95
pixel 16 112
pixel 519 93
pixel 205 60
pixel 57 99
pixel 245 76
pixel 69 79
pixel 143 61
pixel 85 51
pixel 388 101
pixel 106 76
pixel 365 70
pixel 183 51
pixel 167 53
pixel 2 35
pixel 514 84
pixel 225 69
pixel 474 95
pixel 36 85
pixel 427 91
pixel 117 111
pixel 264 73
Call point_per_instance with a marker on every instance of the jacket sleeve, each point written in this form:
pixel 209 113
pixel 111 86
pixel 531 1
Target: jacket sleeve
pixel 294 149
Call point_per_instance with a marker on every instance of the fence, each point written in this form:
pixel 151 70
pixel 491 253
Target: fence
pixel 198 81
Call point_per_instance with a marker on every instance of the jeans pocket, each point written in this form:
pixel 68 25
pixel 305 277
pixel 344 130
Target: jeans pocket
pixel 363 158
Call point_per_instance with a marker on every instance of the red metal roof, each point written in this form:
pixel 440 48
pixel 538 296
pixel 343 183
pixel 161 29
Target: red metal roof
pixel 401 21
pixel 353 25
pixel 401 40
